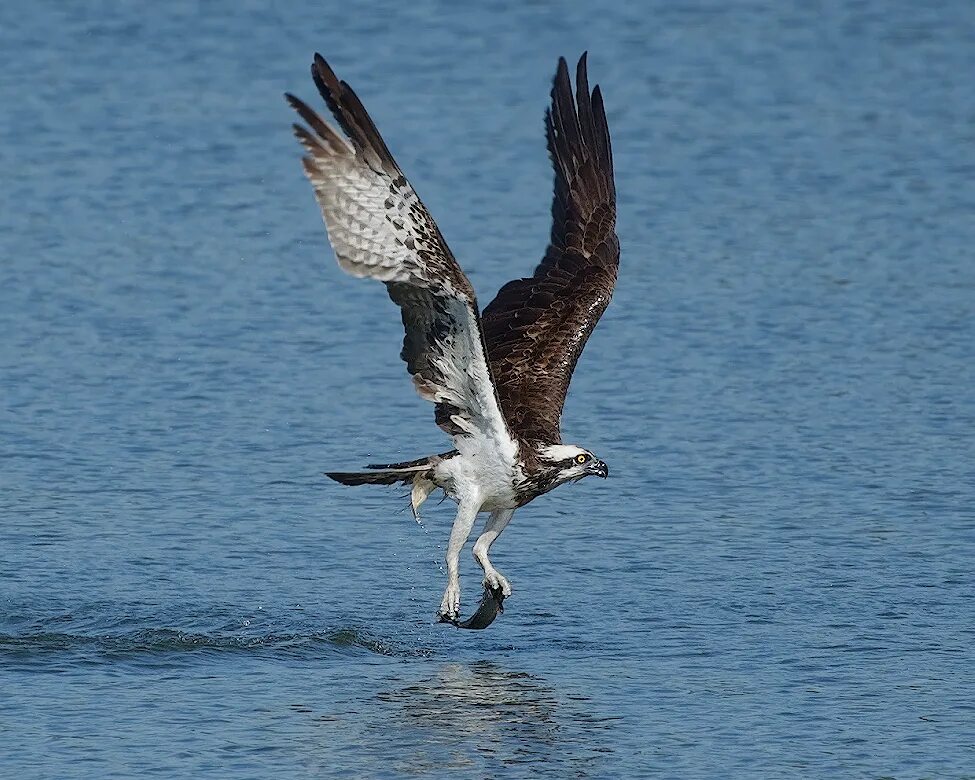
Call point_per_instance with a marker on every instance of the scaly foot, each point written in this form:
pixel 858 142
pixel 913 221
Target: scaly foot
pixel 495 582
pixel 449 611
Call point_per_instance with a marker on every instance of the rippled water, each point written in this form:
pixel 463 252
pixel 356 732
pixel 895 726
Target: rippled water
pixel 777 579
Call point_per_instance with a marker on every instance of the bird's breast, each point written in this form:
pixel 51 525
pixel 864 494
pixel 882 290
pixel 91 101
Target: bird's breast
pixel 488 478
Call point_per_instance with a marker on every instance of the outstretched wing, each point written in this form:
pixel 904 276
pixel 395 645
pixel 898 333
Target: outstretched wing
pixel 379 229
pixel 535 329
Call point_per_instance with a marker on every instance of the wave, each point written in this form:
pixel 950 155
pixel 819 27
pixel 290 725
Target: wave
pixel 159 645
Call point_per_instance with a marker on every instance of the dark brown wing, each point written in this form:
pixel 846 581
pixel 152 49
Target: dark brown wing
pixel 535 329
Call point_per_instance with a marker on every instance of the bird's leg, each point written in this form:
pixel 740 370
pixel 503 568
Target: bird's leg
pixel 463 523
pixel 493 580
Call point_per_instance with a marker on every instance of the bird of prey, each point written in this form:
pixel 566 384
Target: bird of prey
pixel 498 378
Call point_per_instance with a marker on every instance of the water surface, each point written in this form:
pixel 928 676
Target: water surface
pixel 777 579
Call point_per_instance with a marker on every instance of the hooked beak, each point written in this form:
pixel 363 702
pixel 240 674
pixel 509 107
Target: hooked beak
pixel 599 468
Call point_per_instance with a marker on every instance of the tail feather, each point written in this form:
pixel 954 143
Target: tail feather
pixel 385 474
pixel 389 477
pixel 410 465
pixel 420 464
pixel 418 473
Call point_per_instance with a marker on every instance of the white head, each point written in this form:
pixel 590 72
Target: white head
pixel 569 463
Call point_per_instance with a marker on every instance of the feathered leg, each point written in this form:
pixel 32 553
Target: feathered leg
pixel 493 580
pixel 463 523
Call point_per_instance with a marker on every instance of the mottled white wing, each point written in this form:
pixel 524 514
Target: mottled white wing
pixel 380 229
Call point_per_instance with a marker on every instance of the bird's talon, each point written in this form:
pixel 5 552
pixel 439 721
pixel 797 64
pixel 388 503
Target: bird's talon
pixel 499 587
pixel 449 611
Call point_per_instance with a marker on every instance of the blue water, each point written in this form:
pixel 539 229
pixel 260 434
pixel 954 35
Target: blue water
pixel 777 579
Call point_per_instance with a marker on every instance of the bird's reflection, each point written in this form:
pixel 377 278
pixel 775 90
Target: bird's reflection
pixel 475 698
pixel 481 715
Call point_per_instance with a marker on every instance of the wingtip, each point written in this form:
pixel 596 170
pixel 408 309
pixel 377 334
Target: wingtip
pixel 582 86
pixel 580 65
pixel 328 84
pixel 582 76
pixel 320 69
pixel 561 82
pixel 308 141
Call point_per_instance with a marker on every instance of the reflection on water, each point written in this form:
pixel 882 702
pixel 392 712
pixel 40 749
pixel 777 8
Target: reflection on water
pixel 480 715
pixel 476 718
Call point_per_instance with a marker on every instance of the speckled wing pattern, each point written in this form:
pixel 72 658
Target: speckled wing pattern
pixel 380 229
pixel 536 328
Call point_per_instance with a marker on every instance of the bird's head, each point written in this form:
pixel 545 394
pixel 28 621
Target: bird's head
pixel 570 463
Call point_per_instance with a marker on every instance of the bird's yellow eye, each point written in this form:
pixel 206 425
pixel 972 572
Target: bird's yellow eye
pixel 581 459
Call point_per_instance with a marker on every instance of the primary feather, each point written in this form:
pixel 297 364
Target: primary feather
pixel 380 229
pixel 536 328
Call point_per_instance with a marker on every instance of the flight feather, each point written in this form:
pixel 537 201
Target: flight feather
pixel 379 228
pixel 536 328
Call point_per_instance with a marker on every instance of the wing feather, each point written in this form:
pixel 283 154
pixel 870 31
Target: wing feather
pixel 536 328
pixel 380 229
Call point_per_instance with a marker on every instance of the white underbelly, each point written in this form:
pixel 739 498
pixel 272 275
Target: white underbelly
pixel 480 480
pixel 500 501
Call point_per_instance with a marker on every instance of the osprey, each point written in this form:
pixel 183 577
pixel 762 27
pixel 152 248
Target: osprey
pixel 499 377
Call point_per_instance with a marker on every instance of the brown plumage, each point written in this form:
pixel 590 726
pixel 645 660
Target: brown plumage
pixel 535 329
